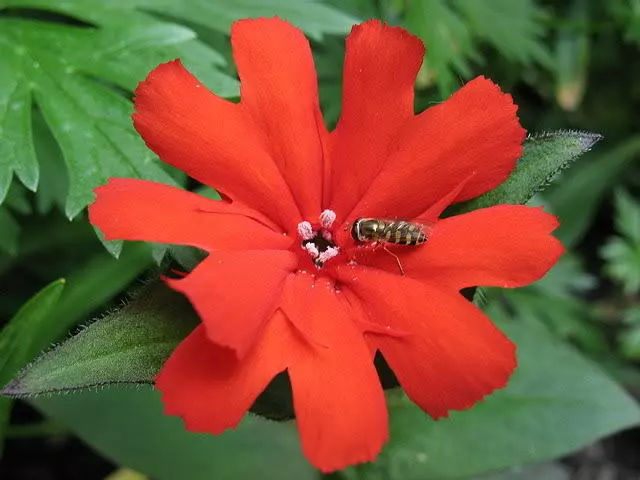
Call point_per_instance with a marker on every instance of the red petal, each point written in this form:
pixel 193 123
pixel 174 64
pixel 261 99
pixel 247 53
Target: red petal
pixel 503 246
pixel 235 293
pixel 380 69
pixel 279 88
pixel 213 140
pixel 455 355
pixel 210 388
pixel 129 209
pixel 476 130
pixel 338 399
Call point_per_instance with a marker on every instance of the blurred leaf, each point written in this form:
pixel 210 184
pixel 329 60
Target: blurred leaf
pixel 576 198
pixel 630 343
pixel 514 28
pixel 127 346
pixel 622 252
pixel 28 332
pixel 5 416
pixel 556 402
pixel 632 316
pixel 17 199
pixel 9 232
pixel 126 474
pixel 556 304
pixel 572 56
pixel 627 13
pixel 623 263
pixel 311 16
pixel 448 39
pixel 545 155
pixel 454 31
pixel 627 216
pixel 128 427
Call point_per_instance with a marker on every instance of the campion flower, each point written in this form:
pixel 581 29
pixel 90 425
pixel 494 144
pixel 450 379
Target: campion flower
pixel 285 285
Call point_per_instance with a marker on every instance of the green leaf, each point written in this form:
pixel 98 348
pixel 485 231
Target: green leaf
pixel 54 184
pixel 127 346
pixel 585 185
pixel 622 253
pixel 627 216
pixel 545 155
pixel 623 263
pixel 630 344
pixel 454 32
pixel 9 232
pixel 6 405
pixel 449 39
pixel 312 16
pixel 556 402
pixel 128 427
pixel 498 20
pixel 28 332
pixel 75 76
pixel 96 282
pixel 572 56
pixel 17 154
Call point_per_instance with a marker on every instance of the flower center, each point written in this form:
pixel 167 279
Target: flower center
pixel 317 239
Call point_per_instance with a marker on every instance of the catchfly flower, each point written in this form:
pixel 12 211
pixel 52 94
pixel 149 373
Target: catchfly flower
pixel 329 246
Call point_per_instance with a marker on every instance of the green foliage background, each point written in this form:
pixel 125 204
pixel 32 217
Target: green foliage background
pixel 67 70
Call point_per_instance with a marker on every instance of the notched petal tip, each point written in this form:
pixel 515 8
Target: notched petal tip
pixel 377 28
pixel 261 22
pixel 498 382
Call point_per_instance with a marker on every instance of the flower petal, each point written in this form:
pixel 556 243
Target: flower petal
pixel 476 130
pixel 235 293
pixel 279 88
pixel 455 355
pixel 502 246
pixel 380 68
pixel 210 388
pixel 211 139
pixel 338 400
pixel 130 209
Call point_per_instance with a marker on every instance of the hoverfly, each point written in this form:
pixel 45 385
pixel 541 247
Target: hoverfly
pixel 387 231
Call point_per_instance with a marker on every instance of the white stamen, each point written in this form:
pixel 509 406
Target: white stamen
pixel 305 230
pixel 329 253
pixel 327 217
pixel 312 249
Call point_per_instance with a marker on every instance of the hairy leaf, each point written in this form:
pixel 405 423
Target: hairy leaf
pixel 545 155
pixel 127 346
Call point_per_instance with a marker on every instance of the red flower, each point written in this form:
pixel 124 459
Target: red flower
pixel 285 287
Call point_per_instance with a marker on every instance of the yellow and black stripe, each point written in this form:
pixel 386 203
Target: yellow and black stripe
pixel 397 232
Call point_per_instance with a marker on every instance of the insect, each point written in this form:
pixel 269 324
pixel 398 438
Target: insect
pixel 386 231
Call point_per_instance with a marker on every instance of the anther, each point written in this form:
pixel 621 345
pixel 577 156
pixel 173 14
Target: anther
pixel 327 254
pixel 312 249
pixel 305 230
pixel 327 217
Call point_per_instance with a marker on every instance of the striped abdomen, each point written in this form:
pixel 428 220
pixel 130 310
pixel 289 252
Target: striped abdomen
pixel 397 232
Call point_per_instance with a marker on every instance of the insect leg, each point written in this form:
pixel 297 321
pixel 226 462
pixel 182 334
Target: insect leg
pixel 384 247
